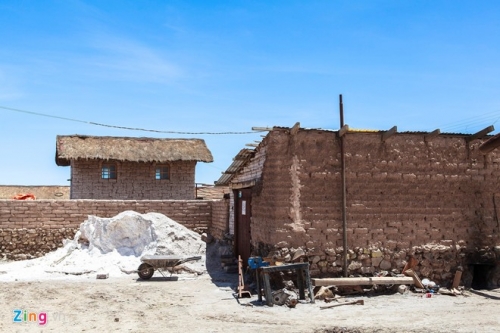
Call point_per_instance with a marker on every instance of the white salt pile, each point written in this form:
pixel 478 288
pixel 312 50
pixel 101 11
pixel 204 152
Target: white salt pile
pixel 113 246
pixel 128 233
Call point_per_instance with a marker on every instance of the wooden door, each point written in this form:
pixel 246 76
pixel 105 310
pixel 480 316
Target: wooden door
pixel 243 213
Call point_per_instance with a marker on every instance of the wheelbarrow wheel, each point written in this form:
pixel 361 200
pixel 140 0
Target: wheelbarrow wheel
pixel 145 271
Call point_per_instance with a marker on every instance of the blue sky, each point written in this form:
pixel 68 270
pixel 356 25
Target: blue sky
pixel 220 66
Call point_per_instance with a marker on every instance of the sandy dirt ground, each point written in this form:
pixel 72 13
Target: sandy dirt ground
pixel 206 303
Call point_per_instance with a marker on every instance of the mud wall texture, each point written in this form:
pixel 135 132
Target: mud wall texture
pixel 134 181
pixel 32 228
pixel 436 200
pixel 220 219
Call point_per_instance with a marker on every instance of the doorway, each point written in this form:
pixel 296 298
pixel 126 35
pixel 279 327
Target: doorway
pixel 243 214
pixel 480 274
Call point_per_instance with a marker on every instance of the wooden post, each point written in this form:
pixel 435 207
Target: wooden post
pixel 344 191
pixel 456 280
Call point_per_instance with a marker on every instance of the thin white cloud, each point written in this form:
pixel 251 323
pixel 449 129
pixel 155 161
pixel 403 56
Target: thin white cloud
pixel 10 85
pixel 124 59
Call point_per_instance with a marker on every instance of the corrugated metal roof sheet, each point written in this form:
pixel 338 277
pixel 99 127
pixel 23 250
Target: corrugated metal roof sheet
pixel 361 130
pixel 238 162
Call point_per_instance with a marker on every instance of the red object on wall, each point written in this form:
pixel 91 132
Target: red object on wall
pixel 27 196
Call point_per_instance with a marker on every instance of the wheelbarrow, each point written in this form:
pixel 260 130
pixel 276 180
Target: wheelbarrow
pixel 150 263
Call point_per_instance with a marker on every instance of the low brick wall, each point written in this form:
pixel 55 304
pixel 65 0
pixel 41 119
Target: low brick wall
pixel 220 219
pixel 32 228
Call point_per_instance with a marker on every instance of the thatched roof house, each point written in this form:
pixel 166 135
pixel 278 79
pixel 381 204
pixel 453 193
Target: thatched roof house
pixel 131 168
pixel 74 147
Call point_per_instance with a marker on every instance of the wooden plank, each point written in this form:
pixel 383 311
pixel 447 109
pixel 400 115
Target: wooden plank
pixel 241 282
pixel 490 144
pixel 362 281
pixel 387 134
pixel 482 133
pixel 295 128
pixel 416 279
pixel 432 135
pixel 412 262
pixel 343 130
pixel 360 302
pixel 456 280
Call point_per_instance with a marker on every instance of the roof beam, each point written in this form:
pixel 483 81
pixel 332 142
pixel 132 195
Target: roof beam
pixel 295 128
pixel 252 145
pixel 262 129
pixel 481 133
pixel 432 134
pixel 343 130
pixel 387 134
pixel 490 144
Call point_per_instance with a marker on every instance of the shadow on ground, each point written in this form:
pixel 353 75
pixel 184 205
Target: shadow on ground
pixel 214 268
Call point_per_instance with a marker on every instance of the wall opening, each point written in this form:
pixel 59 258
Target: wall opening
pixel 480 273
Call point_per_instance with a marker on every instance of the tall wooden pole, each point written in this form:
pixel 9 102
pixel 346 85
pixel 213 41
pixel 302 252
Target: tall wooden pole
pixel 344 194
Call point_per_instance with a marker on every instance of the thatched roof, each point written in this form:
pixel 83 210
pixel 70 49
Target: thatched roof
pixel 73 147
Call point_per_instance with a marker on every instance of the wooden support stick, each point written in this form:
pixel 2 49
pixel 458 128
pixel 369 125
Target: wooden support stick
pixel 432 134
pixel 416 279
pixel 456 280
pixel 360 302
pixel 482 133
pixel 387 134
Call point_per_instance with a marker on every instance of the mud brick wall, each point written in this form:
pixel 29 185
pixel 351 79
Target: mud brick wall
pixel 250 172
pixel 32 228
pixel 134 181
pixel 253 169
pixel 436 200
pixel 220 219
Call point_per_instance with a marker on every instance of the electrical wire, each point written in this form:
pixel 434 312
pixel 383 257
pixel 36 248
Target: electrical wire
pixel 488 118
pixel 123 127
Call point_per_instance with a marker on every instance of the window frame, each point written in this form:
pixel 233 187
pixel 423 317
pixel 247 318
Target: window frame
pixel 111 172
pixel 161 174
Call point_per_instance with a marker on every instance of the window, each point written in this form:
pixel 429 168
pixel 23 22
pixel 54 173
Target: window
pixel 162 172
pixel 108 171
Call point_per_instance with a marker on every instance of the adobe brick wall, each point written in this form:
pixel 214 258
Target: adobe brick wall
pixel 220 219
pixel 32 228
pixel 251 171
pixel 435 200
pixel 134 181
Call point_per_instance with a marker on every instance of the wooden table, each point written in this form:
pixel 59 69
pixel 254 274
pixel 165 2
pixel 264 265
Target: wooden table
pixel 303 278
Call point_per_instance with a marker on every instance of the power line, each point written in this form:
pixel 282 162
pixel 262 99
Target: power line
pixel 491 117
pixel 123 127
